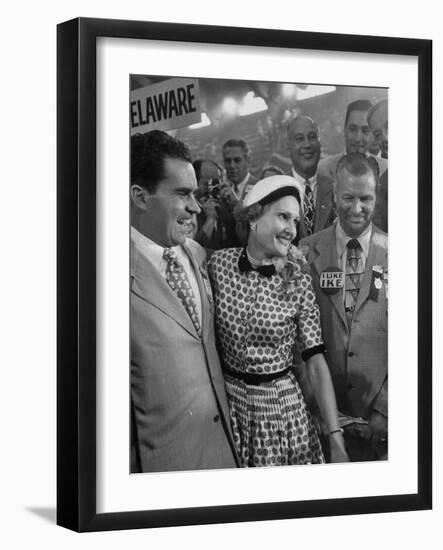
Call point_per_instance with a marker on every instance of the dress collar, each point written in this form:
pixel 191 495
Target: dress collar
pixel 244 265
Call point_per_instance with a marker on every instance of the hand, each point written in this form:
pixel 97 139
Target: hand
pixel 337 448
pixel 378 422
pixel 228 194
pixel 359 431
pixel 210 208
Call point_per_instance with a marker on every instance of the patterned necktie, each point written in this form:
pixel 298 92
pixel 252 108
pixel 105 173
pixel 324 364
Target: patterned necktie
pixel 308 208
pixel 177 279
pixel 354 273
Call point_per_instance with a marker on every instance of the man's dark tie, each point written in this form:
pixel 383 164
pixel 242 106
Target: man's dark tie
pixel 354 273
pixel 308 208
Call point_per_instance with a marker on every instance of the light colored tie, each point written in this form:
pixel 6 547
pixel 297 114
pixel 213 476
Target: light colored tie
pixel 354 273
pixel 308 208
pixel 177 279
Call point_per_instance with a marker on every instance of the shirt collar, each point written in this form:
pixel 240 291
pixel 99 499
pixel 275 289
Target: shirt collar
pixel 301 180
pixel 242 184
pixel 150 249
pixel 342 239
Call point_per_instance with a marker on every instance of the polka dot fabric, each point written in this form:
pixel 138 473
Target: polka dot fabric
pixel 258 323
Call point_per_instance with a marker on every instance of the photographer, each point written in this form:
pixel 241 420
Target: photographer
pixel 216 224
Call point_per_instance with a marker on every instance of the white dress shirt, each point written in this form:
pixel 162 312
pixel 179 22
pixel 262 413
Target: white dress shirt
pixel 241 186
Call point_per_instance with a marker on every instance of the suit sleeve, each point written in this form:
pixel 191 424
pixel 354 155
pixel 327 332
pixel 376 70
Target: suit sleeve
pixel 381 401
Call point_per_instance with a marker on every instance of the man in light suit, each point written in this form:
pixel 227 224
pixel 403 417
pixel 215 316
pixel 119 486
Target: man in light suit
pixel 180 418
pixel 304 149
pixel 353 306
pixel 358 138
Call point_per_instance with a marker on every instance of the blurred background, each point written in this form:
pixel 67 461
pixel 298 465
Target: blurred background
pixel 258 111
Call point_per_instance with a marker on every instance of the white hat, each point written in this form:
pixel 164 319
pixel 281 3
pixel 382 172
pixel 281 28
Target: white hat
pixel 271 189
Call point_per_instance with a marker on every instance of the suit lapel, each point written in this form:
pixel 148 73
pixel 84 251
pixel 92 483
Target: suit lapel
pixel 201 274
pixel 323 206
pixel 377 256
pixel 147 283
pixel 326 248
pixel 302 227
pixel 324 202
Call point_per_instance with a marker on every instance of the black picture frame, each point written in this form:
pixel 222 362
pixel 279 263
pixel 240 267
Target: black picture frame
pixel 76 265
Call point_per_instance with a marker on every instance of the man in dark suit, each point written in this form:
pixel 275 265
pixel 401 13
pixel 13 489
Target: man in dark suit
pixel 349 263
pixel 316 191
pixel 180 419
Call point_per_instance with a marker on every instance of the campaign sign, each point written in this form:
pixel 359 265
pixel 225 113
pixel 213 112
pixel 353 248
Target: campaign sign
pixel 167 105
pixel 331 280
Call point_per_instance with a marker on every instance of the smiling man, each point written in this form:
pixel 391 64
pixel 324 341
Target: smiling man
pixel 316 191
pixel 353 254
pixel 178 401
pixel 358 138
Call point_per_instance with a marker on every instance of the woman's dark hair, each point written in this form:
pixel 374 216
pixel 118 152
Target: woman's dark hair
pixel 243 217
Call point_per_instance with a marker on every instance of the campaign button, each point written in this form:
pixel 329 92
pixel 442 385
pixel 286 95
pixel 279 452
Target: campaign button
pixel 331 280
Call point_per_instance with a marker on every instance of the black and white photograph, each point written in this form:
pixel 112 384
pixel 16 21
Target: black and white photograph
pixel 188 362
pixel 225 292
pixel 258 273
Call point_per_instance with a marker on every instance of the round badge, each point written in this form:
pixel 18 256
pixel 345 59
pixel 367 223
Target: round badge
pixel 332 280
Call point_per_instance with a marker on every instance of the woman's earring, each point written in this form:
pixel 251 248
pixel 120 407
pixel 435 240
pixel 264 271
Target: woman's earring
pixel 253 226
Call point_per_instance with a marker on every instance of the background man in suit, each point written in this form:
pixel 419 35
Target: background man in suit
pixel 358 138
pixel 216 224
pixel 179 410
pixel 378 122
pixel 354 312
pixel 236 158
pixel 316 191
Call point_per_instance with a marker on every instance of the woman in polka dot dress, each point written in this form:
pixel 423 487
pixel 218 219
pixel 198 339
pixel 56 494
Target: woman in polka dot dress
pixel 264 308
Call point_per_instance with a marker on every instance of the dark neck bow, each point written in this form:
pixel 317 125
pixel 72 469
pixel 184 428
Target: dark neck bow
pixel 244 266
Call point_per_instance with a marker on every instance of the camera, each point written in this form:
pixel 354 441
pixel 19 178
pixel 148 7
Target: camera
pixel 213 188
